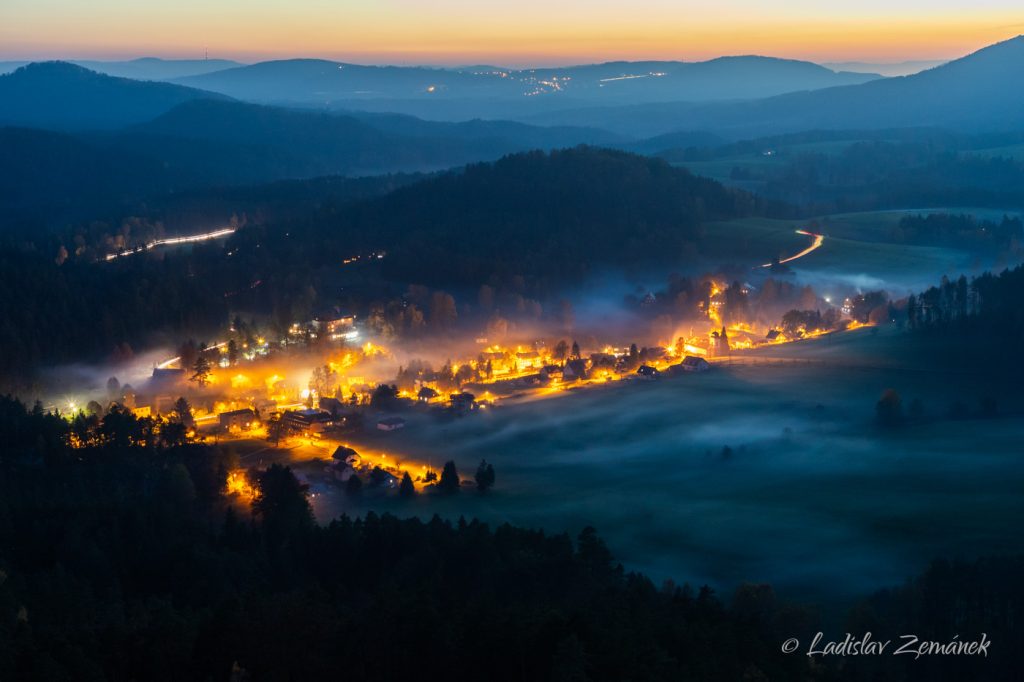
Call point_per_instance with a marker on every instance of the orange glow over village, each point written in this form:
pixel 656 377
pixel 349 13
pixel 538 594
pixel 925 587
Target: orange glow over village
pixel 337 401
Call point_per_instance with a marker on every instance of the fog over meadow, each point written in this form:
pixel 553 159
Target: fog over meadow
pixel 771 474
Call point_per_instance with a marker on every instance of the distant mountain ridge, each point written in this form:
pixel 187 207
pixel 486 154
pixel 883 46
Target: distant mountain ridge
pixel 325 82
pixel 980 92
pixel 63 96
pixel 51 176
pixel 143 68
pixel 359 142
pixel 889 69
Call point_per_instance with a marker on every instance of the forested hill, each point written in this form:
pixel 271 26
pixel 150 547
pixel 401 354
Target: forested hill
pixel 63 96
pixel 980 92
pixel 554 216
pixel 532 222
pixel 127 559
pixel 210 143
pixel 980 322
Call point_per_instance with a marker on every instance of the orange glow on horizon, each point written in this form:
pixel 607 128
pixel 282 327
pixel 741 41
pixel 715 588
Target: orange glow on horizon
pixel 455 32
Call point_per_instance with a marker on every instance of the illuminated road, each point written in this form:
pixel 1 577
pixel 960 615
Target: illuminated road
pixel 171 361
pixel 817 242
pixel 171 241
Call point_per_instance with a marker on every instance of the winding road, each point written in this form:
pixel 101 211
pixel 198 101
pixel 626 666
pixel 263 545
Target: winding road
pixel 170 241
pixel 817 242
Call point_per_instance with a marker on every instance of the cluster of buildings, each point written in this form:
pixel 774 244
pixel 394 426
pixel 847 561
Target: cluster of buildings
pixel 331 323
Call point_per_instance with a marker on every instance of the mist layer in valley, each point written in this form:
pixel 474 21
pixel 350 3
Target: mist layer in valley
pixel 747 473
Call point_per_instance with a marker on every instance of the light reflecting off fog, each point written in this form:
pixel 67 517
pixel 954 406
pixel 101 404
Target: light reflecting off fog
pixel 809 495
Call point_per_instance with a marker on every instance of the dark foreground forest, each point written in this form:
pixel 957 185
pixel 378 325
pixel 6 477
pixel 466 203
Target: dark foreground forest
pixel 124 559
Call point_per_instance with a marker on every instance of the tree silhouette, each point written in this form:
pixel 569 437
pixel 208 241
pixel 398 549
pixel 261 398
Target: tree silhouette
pixel 484 476
pixel 561 350
pixel 201 368
pixel 406 488
pixel 281 503
pixel 182 410
pixel 889 409
pixel 449 482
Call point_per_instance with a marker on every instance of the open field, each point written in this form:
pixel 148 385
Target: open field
pixel 811 495
pixel 721 168
pixel 858 250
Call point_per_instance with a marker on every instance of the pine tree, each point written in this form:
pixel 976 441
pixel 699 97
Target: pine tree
pixel 183 410
pixel 406 487
pixel 484 476
pixel 201 368
pixel 449 482
pixel 561 350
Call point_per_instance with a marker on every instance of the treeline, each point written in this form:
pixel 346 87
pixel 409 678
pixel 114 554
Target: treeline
pixel 778 304
pixel 959 230
pixel 983 316
pixel 988 301
pixel 513 233
pixel 126 560
pixel 878 175
pixel 938 138
pixel 551 218
pixel 75 311
pixel 868 170
pixel 62 303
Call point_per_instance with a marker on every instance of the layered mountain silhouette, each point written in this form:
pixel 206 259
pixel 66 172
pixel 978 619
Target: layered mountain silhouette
pixel 980 92
pixel 64 96
pixel 143 68
pixel 128 139
pixel 53 175
pixel 325 82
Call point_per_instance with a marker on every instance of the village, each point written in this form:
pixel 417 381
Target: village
pixel 327 399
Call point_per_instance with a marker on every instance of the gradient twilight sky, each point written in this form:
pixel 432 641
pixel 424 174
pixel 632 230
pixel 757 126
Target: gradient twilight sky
pixel 525 32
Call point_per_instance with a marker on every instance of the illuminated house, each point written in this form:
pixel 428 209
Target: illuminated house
pixel 332 405
pixel 237 420
pixel 550 371
pixel 346 454
pixel 528 359
pixel 575 369
pixel 171 374
pixel 462 402
pixel 307 422
pixel 720 342
pixel 332 321
pixel 647 372
pixel 346 460
pixel 692 363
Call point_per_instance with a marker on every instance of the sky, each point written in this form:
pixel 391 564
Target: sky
pixel 521 33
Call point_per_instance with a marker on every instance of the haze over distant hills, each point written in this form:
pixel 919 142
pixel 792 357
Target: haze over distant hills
pixel 127 139
pixel 65 96
pixel 47 177
pixel 143 68
pixel 886 69
pixel 980 92
pixel 417 89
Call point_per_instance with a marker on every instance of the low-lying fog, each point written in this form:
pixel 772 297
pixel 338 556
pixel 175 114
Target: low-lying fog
pixel 773 474
pixel 812 498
